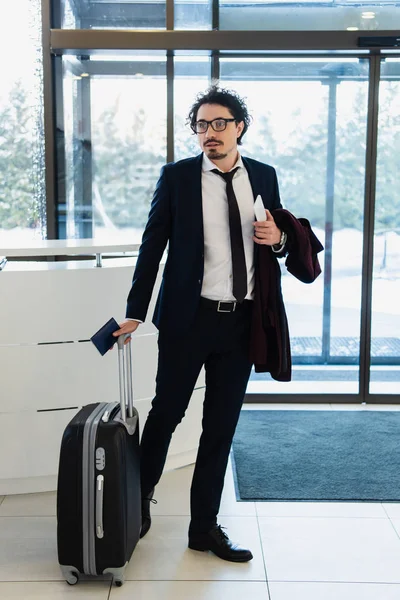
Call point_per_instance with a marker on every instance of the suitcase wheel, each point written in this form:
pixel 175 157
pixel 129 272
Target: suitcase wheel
pixel 72 578
pixel 119 582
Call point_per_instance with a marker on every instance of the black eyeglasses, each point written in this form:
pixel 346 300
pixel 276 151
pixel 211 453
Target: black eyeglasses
pixel 217 124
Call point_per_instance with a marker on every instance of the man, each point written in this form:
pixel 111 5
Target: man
pixel 204 307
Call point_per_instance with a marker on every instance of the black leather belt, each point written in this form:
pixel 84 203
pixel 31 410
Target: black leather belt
pixel 223 307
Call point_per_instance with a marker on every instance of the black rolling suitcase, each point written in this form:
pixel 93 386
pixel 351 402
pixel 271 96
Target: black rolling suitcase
pixel 98 494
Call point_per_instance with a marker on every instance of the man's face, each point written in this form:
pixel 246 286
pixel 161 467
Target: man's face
pixel 217 145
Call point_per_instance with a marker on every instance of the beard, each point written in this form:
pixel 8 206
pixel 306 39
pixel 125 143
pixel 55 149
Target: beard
pixel 215 154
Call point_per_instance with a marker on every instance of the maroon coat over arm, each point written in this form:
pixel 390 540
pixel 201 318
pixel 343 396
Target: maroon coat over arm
pixel 270 343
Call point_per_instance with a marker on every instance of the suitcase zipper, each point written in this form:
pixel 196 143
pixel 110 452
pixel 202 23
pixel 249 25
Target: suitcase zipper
pixel 88 489
pixel 109 409
pixel 106 416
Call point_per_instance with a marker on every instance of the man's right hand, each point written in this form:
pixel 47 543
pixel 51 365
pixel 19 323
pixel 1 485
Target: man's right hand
pixel 128 326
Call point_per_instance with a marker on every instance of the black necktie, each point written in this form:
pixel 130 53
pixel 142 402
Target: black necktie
pixel 239 270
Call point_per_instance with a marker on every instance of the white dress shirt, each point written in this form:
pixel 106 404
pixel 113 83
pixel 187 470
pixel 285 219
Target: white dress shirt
pixel 217 280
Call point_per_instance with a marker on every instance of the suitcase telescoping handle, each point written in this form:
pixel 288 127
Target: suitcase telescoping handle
pixel 125 376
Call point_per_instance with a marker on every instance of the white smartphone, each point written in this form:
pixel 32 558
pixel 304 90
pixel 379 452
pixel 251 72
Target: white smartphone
pixel 259 209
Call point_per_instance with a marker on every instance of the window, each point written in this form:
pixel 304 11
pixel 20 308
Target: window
pixel 22 188
pixel 306 15
pixel 111 143
pixel 112 14
pixel 192 75
pixel 193 14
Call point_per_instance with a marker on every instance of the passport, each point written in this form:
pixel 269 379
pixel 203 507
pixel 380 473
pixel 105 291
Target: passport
pixel 103 339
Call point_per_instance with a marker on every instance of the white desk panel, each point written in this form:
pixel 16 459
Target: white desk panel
pixel 68 247
pixel 62 302
pixel 65 304
pixel 30 444
pixel 42 377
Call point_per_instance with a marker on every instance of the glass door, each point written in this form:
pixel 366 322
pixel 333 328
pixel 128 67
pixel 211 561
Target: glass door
pixel 385 321
pixel 310 123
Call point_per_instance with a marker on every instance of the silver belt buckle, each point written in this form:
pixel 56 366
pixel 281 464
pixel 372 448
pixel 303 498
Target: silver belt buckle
pixel 225 311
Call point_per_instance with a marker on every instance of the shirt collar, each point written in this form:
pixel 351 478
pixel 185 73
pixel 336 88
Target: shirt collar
pixel 208 165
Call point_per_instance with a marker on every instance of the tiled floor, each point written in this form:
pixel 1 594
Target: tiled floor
pixel 302 551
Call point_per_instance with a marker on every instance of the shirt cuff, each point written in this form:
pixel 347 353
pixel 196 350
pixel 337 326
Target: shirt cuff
pixel 130 319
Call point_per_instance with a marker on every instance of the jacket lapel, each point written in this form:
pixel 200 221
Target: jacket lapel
pixel 253 177
pixel 197 196
pixel 195 206
pixel 256 187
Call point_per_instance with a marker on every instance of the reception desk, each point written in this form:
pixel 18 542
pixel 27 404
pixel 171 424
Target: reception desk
pixel 50 369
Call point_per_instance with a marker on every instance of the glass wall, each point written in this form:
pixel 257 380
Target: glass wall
pixel 256 15
pixel 119 117
pixel 22 187
pixel 309 15
pixel 385 323
pixel 131 14
pixel 191 76
pixel 111 115
pixel 309 122
pixel 196 14
pixel 115 14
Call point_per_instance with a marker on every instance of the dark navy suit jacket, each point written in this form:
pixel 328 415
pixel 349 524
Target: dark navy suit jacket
pixel 176 217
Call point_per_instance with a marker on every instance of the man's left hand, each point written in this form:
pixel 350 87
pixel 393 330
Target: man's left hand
pixel 266 232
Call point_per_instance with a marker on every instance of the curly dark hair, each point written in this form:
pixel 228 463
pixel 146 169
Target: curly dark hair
pixel 228 98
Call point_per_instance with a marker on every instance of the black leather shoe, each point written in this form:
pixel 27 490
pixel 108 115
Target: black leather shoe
pixel 218 542
pixel 146 518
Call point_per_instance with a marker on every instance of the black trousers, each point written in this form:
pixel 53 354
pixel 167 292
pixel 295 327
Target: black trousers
pixel 220 342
